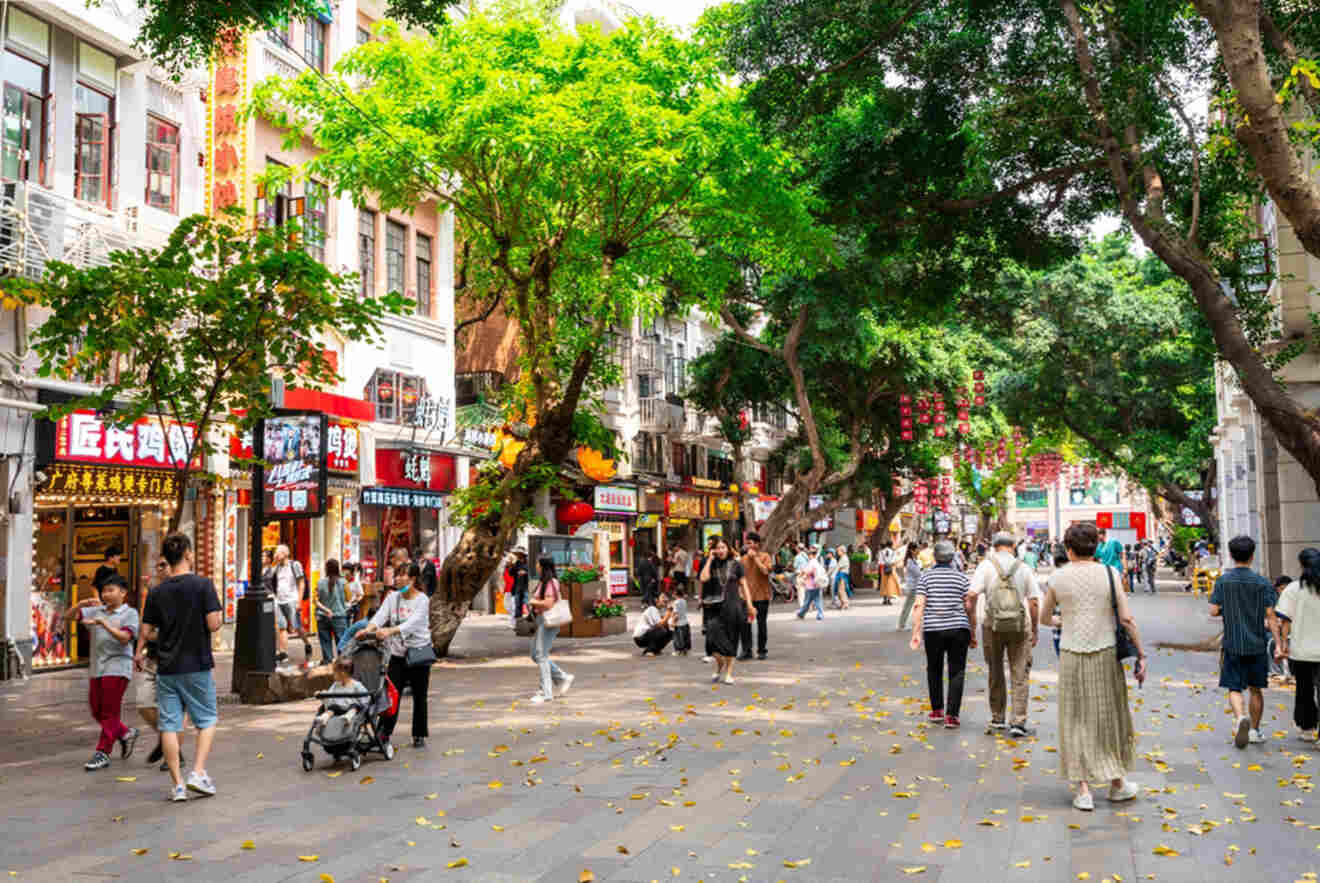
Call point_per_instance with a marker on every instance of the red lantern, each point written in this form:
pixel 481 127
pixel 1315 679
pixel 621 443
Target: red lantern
pixel 907 435
pixel 964 428
pixel 978 375
pixel 574 514
pixel 924 418
pixel 939 432
pixel 939 419
pixel 979 401
pixel 905 399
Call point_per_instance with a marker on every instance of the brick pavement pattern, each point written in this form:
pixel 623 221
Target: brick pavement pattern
pixel 817 765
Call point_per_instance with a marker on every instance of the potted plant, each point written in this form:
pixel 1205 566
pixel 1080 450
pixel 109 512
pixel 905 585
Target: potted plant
pixel 586 590
pixel 607 610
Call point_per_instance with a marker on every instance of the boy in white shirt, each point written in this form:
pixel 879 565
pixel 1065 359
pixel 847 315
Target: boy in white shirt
pixel 682 630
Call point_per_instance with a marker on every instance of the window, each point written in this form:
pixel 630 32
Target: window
pixel 395 395
pixel 423 275
pixel 95 116
pixel 162 165
pixel 278 197
pixel 22 152
pixel 648 385
pixel 367 251
pixel 396 236
pixel 315 219
pixel 314 43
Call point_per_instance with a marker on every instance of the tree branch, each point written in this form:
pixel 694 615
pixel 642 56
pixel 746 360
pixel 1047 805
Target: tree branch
pixel 743 334
pixel 1063 174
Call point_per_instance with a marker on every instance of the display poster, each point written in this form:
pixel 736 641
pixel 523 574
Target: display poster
pixel 612 498
pixel 618 581
pixel 293 475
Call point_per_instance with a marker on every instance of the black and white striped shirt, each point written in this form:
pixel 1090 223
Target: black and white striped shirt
pixel 944 590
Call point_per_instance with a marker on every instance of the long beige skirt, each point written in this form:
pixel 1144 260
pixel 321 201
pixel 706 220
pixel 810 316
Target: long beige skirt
pixel 1096 739
pixel 889 587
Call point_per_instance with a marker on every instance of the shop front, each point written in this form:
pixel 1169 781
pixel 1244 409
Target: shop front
pixel 721 519
pixel 101 488
pixel 406 508
pixel 684 512
pixel 615 511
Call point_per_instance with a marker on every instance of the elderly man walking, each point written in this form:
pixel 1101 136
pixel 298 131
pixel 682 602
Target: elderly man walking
pixel 1005 600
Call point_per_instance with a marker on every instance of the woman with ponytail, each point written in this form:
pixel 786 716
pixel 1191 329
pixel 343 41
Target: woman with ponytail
pixel 1299 640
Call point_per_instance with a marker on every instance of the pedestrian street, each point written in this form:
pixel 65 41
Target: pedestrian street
pixel 818 764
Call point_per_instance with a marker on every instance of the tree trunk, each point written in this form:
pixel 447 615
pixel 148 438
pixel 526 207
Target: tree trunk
pixel 785 515
pixel 887 514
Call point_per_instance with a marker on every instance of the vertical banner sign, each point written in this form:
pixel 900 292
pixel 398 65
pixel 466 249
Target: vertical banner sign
pixel 293 480
pixel 231 587
pixel 226 144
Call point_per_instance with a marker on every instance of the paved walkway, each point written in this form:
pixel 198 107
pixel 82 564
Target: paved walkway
pixel 817 765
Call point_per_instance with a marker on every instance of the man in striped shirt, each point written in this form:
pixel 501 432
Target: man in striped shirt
pixel 1245 600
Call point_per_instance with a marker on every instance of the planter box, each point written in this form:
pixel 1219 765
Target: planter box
pixel 583 597
pixel 592 627
pixel 859 577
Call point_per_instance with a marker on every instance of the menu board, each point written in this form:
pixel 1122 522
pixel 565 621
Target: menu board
pixel 293 469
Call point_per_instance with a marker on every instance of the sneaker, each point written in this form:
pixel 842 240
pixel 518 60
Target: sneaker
pixel 281 658
pixel 936 715
pixel 715 678
pixel 201 783
pixel 728 679
pixel 1084 802
pixel 951 722
pixel 819 617
pixel 708 659
pixel 419 742
pixel 1241 734
pixel 996 725
pixel 675 652
pixel 746 657
pixel 128 743
pixel 1127 792
pixel 1254 736
pixel 762 655
pixel 157 754
pixel 566 684
pixel 100 760
pixel 179 794
pixel 1018 731
pixel 539 698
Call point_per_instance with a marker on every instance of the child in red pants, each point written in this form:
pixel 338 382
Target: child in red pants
pixel 112 627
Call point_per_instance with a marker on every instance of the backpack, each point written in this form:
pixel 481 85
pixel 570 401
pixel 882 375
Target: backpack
pixel 1003 604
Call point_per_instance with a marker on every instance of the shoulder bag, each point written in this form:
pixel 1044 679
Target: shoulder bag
pixel 1123 646
pixel 561 614
pixel 413 656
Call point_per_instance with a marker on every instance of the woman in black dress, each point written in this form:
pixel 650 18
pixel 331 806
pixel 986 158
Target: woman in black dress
pixel 722 577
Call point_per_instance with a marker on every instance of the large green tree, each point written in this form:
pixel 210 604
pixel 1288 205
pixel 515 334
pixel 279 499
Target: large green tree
pixel 1110 348
pixel 587 169
pixel 193 332
pixel 1036 115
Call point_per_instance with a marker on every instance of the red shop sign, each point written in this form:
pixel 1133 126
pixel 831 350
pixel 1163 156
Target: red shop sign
pixel 419 469
pixel 152 442
pixel 341 446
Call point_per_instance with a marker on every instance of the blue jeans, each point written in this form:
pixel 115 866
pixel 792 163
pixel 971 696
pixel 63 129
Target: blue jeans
pixel 329 630
pixel 550 673
pixel 812 597
pixel 194 693
pixel 842 594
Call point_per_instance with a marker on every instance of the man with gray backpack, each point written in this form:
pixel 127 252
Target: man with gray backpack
pixel 1004 598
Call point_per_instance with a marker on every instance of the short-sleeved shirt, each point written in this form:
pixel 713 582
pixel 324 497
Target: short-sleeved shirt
pixel 712 590
pixel 758 580
pixel 108 657
pixel 330 592
pixel 1301 606
pixel 945 591
pixel 650 619
pixel 1243 596
pixel 178 608
pixel 680 612
pixel 1111 553
pixel 986 577
pixel 680 561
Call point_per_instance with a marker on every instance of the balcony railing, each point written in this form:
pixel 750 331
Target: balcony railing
pixel 657 414
pixel 38 226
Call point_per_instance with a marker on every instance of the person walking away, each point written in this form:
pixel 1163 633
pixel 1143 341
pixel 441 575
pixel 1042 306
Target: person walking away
pixel 1096 737
pixel 653 632
pixel 429 577
pixel 1278 666
pixel 111 626
pixel 353 588
pixel 1149 562
pixel 290 584
pixel 722 579
pixel 926 557
pixel 1005 602
pixel 1056 621
pixel 181 615
pixel 830 562
pixel 756 565
pixel 812 580
pixel 403 623
pixel 144 660
pixel 888 578
pixel 912 579
pixel 1110 553
pixel 547 594
pixel 1299 640
pixel 648 579
pixel 1245 600
pixel 331 611
pixel 682 629
pixel 521 578
pixel 939 620
pixel 679 572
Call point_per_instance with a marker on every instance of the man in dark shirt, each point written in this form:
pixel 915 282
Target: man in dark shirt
pixel 108 569
pixel 180 616
pixel 518 570
pixel 1245 600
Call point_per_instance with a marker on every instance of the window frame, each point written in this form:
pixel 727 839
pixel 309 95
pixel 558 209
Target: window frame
pixel 107 147
pixel 422 266
pixel 316 234
pixel 395 412
pixel 394 227
pixel 316 34
pixel 367 256
pixel 43 102
pixel 156 120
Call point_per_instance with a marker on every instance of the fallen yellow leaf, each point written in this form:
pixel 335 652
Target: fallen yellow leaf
pixel 326 878
pixel 142 851
pixel 308 858
pixel 1166 851
pixel 248 844
pixel 1026 863
pixel 457 863
pixel 919 869
pixel 496 784
pixel 125 778
pixel 586 876
pixel 928 847
pixel 677 827
pixel 953 844
pixel 621 850
pixel 799 863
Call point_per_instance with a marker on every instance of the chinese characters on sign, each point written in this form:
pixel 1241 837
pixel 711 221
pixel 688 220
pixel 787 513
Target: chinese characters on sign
pixel 417 467
pixel 410 499
pixel 150 442
pixel 224 166
pixel 294 477
pixel 684 506
pixel 109 481
pixel 432 414
pixel 615 499
pixel 482 440
pixel 341 446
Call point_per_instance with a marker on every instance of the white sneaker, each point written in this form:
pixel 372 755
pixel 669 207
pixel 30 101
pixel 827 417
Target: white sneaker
pixel 566 684
pixel 1084 802
pixel 715 678
pixel 728 679
pixel 1127 792
pixel 1241 734
pixel 179 794
pixel 708 659
pixel 201 783
pixel 539 698
pixel 1254 737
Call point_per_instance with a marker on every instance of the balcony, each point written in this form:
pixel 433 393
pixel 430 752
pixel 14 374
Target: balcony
pixel 38 226
pixel 658 415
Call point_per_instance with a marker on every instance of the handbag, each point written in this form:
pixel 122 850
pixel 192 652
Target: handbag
pixel 1123 646
pixel 414 656
pixel 560 614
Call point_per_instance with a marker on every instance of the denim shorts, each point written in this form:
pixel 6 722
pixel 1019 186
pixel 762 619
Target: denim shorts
pixel 285 617
pixel 1238 672
pixel 194 693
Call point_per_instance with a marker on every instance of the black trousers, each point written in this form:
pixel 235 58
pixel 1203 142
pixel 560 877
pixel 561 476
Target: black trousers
pixel 655 639
pixel 762 634
pixel 683 638
pixel 418 680
pixel 1305 713
pixel 952 643
pixel 707 612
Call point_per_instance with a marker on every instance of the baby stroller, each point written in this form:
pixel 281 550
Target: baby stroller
pixel 351 734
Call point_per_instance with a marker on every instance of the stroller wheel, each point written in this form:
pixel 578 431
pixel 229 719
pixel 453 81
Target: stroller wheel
pixel 308 761
pixel 355 760
pixel 389 751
